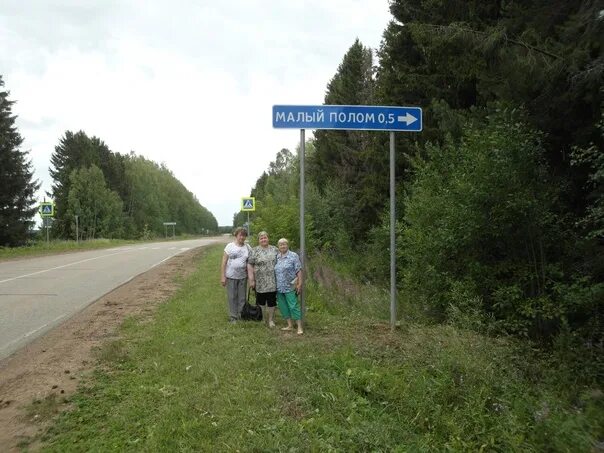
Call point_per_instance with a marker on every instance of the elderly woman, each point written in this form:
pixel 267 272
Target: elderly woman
pixel 234 272
pixel 263 260
pixel 288 271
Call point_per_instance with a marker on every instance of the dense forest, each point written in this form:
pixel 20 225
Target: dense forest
pixel 115 195
pixel 500 204
pixel 112 195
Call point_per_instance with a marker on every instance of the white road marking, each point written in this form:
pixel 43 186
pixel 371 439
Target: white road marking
pixel 59 267
pixel 165 259
pixel 28 334
pixel 171 256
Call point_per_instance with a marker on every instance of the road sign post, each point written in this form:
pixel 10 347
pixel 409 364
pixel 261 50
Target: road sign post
pixel 302 223
pixel 248 204
pixel 351 117
pixel 47 210
pixel 166 225
pixel 392 235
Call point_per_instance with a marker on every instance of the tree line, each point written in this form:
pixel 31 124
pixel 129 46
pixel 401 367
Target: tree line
pixel 116 195
pixel 112 195
pixel 500 199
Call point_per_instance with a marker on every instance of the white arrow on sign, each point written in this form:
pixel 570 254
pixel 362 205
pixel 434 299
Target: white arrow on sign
pixel 407 119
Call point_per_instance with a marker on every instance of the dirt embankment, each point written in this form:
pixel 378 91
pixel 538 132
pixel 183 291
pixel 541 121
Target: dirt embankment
pixel 50 368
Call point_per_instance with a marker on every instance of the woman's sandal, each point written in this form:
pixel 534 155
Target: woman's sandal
pixel 285 329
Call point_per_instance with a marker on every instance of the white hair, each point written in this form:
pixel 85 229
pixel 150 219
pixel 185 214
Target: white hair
pixel 283 241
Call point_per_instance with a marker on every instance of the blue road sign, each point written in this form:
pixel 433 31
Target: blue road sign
pixel 348 117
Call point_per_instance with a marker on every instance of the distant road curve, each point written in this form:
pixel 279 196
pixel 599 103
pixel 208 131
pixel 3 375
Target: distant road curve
pixel 37 294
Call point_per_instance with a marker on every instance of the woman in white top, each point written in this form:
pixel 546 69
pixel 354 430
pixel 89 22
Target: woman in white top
pixel 234 272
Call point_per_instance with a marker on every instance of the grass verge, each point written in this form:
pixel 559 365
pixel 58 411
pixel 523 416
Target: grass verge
pixel 189 381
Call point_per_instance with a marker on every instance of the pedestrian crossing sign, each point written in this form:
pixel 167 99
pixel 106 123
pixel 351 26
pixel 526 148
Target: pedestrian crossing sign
pixel 47 209
pixel 248 204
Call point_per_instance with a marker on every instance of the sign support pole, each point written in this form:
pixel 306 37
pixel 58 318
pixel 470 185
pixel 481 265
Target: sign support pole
pixel 249 229
pixel 302 232
pixel 77 230
pixel 392 236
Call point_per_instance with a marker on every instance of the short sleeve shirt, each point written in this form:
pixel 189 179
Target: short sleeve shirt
pixel 264 259
pixel 286 269
pixel 236 266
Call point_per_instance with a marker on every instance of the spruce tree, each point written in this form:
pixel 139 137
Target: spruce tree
pixel 17 187
pixel 346 165
pixel 74 151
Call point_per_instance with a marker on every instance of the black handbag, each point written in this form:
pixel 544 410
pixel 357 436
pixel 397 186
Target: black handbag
pixel 251 312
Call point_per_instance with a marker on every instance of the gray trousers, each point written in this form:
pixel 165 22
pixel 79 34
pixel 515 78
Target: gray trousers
pixel 236 295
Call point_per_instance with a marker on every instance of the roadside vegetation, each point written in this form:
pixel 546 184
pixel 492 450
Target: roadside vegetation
pixel 189 381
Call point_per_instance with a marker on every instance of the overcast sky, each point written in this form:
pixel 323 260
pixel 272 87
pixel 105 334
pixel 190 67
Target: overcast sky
pixel 188 82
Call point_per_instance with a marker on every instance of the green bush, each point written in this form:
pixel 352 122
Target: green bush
pixel 481 224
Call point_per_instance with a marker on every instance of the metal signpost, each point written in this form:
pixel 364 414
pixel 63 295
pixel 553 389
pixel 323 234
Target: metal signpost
pixel 47 210
pixel 248 204
pixel 351 117
pixel 166 225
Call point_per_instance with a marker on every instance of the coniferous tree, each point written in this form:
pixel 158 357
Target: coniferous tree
pixel 347 165
pixel 339 152
pixel 77 151
pixel 74 151
pixel 17 187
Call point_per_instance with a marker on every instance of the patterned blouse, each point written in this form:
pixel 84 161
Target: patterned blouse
pixel 286 269
pixel 263 260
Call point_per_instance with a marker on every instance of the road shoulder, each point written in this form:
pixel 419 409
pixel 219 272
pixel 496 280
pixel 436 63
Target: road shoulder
pixel 51 367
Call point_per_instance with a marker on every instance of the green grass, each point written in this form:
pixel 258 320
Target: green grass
pixel 189 381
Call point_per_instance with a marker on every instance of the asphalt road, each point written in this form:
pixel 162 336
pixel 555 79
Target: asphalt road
pixel 37 294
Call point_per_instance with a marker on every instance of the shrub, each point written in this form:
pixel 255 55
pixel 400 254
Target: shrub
pixel 481 224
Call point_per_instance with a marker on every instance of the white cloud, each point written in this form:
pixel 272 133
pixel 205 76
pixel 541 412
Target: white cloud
pixel 191 84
